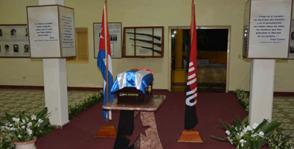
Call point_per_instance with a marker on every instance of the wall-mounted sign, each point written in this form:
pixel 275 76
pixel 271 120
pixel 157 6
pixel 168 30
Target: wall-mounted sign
pixel 52 31
pixel 269 28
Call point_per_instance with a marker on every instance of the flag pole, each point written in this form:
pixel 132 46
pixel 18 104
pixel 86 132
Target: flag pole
pixel 190 135
pixel 106 49
pixel 107 131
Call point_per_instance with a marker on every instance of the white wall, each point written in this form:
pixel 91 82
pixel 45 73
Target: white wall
pixel 140 13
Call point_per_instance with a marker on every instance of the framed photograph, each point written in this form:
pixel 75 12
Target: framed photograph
pixel 14 42
pixel 143 41
pixel 291 43
pixel 115 31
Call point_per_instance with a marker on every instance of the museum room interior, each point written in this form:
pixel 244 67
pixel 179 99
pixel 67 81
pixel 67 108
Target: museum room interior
pixel 235 85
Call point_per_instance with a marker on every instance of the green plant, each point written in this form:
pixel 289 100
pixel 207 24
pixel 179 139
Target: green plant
pixel 277 140
pixel 244 136
pixel 5 142
pixel 25 127
pixel 83 105
pixel 241 94
pixel 243 97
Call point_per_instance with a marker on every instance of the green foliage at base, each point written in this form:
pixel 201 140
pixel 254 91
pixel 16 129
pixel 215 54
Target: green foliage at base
pixel 243 98
pixel 22 127
pixel 279 141
pixel 83 105
pixel 6 139
pixel 276 139
pixel 5 142
pixel 244 136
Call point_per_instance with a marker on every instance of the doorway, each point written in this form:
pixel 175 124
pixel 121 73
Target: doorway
pixel 213 48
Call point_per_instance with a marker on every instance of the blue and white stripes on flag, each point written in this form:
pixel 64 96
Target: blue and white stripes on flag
pixel 104 63
pixel 135 78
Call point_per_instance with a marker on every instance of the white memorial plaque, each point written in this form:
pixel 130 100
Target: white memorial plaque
pixel 269 28
pixel 67 30
pixel 51 30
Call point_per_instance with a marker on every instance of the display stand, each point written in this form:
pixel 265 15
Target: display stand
pixel 190 136
pixel 107 131
pixel 51 37
pixel 268 39
pixel 150 137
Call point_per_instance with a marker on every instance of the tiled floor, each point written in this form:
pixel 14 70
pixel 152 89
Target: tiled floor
pixel 32 100
pixel 283 111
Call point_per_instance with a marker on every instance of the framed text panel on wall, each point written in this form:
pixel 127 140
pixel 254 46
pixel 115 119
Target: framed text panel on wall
pixel 14 41
pixel 115 31
pixel 269 28
pixel 143 41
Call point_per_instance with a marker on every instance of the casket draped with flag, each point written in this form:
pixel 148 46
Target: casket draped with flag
pixel 133 86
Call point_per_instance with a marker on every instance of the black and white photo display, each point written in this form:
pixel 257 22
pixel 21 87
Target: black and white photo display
pixel 14 40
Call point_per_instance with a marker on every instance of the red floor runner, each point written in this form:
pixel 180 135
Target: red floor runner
pixel 212 109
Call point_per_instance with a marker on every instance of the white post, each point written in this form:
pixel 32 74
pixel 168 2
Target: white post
pixel 55 87
pixel 261 90
pixel 269 39
pixel 55 84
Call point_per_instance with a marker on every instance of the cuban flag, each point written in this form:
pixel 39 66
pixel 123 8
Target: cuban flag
pixel 104 63
pixel 191 87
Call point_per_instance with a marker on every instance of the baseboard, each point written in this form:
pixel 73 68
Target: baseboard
pixel 161 90
pixel 284 94
pixel 21 87
pixel 42 87
pixel 275 93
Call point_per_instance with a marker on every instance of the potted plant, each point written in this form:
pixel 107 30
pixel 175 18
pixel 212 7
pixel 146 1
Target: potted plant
pixel 244 136
pixel 23 128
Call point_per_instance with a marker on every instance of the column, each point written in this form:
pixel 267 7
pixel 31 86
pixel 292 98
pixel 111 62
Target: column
pixel 55 88
pixel 55 83
pixel 261 90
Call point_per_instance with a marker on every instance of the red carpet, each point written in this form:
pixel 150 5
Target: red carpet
pixel 212 109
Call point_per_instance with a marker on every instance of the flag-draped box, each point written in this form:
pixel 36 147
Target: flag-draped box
pixel 51 31
pixel 133 86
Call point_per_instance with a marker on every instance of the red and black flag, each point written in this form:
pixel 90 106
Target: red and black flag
pixel 191 87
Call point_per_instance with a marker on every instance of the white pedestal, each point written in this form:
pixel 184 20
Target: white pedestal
pixel 55 84
pixel 261 90
pixel 55 87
